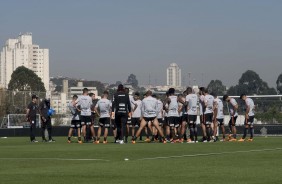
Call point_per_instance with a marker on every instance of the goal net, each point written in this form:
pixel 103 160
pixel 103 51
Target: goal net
pixel 19 121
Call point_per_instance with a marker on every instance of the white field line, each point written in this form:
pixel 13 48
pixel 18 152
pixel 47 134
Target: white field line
pixel 211 154
pixel 59 159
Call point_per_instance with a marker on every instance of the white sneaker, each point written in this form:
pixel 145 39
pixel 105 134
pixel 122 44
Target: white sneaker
pixel 121 142
pixel 117 141
pixel 205 141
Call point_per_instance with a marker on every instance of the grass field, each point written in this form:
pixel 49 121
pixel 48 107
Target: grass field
pixel 222 162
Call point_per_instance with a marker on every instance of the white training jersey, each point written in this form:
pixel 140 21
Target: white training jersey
pixel 160 109
pixel 231 106
pixel 132 102
pixel 209 100
pixel 149 107
pixel 85 103
pixel 104 106
pixel 219 105
pixel 184 109
pixel 192 100
pixel 201 104
pixel 74 111
pixel 180 106
pixel 173 107
pixel 250 103
pixel 137 112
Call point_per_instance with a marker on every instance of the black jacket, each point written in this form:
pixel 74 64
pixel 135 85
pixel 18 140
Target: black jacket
pixel 121 103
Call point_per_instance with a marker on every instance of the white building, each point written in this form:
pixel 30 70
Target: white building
pixel 60 101
pixel 173 75
pixel 78 90
pixel 22 52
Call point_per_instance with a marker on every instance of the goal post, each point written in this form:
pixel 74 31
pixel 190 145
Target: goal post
pixel 19 121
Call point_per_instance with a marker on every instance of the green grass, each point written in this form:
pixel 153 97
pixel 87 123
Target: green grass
pixel 229 167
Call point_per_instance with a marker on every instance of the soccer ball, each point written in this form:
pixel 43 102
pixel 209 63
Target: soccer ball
pixel 51 112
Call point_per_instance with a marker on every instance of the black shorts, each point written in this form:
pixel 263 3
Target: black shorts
pixel 250 120
pixel 128 121
pixel 75 124
pixel 208 118
pixel 160 120
pixel 184 118
pixel 165 122
pixel 232 121
pixel 147 119
pixel 135 121
pixel 220 121
pixel 105 122
pixel 85 120
pixel 173 121
pixel 192 118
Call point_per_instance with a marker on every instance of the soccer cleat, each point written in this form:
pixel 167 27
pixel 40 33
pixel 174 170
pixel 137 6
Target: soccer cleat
pixel 121 142
pixel 96 142
pixel 250 140
pixel 34 140
pixel 164 141
pixel 241 140
pixel 181 140
pixel 79 142
pixel 190 141
pixel 105 142
pixel 69 141
pixel 133 142
pixel 147 140
pixel 205 141
pixel 51 140
pixel 196 141
pixel 233 140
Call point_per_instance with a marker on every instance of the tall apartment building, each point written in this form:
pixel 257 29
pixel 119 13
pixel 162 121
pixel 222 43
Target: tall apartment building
pixel 173 75
pixel 22 52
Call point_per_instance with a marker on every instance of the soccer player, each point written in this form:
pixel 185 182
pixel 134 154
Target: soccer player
pixel 201 112
pixel 121 109
pixel 184 118
pixel 249 117
pixel 136 113
pixel 84 103
pixel 218 117
pixel 103 110
pixel 192 100
pixel 149 114
pixel 233 107
pixel 44 107
pixel 160 115
pixel 209 109
pixel 172 113
pixel 31 111
pixel 93 113
pixel 75 122
pixel 129 122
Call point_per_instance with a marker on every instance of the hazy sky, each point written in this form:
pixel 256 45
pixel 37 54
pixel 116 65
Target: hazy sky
pixel 107 40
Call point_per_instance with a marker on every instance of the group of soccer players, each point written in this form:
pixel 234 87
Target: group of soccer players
pixel 166 119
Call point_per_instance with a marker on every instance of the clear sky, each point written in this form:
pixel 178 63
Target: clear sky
pixel 107 40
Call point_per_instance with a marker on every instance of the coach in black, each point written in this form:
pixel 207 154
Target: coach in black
pixel 31 112
pixel 122 109
pixel 44 107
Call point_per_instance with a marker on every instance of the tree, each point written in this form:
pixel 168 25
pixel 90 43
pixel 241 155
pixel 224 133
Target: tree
pixel 217 87
pixel 24 79
pixel 132 80
pixel 250 83
pixel 279 84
